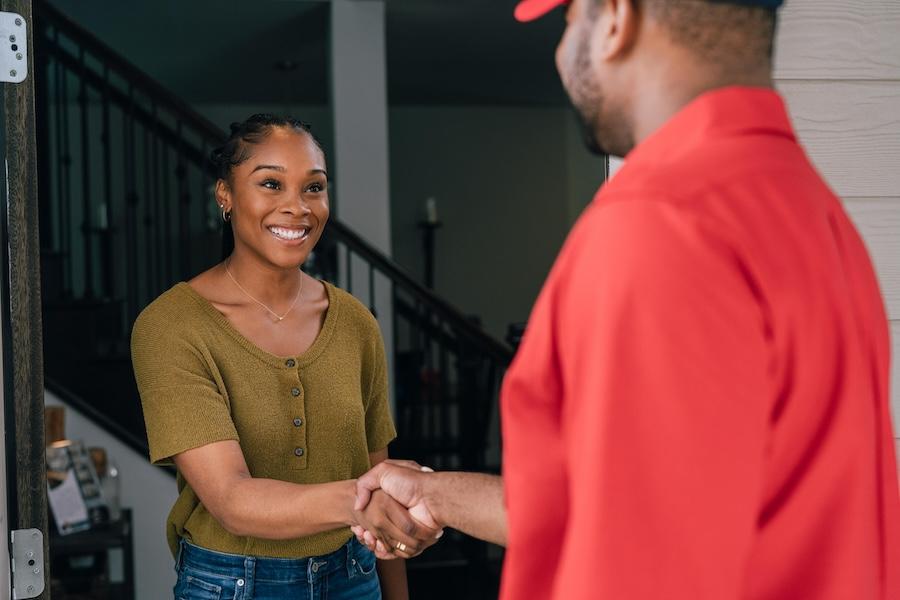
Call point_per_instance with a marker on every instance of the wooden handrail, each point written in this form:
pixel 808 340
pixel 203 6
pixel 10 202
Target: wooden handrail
pixel 427 297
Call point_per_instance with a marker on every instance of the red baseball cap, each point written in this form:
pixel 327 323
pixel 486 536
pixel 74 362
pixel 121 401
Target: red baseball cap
pixel 529 10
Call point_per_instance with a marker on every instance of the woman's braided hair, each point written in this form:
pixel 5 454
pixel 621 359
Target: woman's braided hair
pixel 252 131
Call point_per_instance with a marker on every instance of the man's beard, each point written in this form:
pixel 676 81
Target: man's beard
pixel 586 122
pixel 601 133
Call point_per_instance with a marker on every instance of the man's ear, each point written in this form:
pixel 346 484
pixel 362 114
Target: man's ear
pixel 616 29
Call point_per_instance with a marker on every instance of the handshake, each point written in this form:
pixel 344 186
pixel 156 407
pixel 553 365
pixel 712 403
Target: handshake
pixel 398 536
pixel 469 502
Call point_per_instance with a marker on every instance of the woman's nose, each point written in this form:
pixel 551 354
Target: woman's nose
pixel 298 205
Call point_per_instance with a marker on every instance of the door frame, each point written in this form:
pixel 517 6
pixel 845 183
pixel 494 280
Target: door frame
pixel 23 380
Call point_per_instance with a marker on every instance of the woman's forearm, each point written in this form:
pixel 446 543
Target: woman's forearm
pixel 279 510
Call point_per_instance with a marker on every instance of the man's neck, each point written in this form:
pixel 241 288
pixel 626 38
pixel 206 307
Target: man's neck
pixel 668 88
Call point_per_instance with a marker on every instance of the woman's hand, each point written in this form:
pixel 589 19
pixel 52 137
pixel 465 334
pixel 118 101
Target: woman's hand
pixel 400 488
pixel 395 532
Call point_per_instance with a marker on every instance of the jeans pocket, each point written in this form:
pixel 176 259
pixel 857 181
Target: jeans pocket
pixel 365 560
pixel 194 586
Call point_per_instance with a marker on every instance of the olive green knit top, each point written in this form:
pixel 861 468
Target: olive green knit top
pixel 311 418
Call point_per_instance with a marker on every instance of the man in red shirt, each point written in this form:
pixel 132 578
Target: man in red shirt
pixel 699 408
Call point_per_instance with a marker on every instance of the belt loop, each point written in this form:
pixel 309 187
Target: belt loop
pixel 249 577
pixel 313 566
pixel 178 555
pixel 351 562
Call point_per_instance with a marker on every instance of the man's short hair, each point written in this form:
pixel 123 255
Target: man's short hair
pixel 720 31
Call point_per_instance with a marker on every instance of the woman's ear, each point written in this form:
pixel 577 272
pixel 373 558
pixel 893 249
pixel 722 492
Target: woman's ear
pixel 223 195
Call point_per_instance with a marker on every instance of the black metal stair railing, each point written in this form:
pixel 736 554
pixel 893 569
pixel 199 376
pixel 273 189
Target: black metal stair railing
pixel 127 211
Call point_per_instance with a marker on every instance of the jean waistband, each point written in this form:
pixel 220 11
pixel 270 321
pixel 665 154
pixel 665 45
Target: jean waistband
pixel 267 568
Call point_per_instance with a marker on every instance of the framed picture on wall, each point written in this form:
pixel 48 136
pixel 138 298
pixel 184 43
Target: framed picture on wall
pixel 74 494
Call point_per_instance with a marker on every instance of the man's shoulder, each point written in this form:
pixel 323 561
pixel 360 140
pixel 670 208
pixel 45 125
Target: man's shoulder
pixel 721 163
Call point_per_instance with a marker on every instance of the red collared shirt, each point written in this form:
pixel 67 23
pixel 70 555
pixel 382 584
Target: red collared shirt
pixel 699 408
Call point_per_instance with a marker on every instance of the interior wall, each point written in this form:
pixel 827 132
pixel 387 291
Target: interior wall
pixel 148 491
pixel 508 183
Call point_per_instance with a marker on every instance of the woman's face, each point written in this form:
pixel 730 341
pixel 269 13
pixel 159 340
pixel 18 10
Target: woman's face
pixel 278 198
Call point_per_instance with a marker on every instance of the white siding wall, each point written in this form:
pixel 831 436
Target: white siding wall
pixel 838 65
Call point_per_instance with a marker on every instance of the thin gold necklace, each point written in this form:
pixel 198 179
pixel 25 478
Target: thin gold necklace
pixel 278 318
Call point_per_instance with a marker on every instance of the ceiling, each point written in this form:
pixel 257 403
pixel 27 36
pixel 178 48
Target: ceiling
pixel 439 51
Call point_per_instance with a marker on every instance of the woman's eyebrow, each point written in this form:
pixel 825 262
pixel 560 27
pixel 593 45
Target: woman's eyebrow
pixel 283 170
pixel 272 167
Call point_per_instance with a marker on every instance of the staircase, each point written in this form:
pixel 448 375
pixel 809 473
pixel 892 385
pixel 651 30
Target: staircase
pixel 127 210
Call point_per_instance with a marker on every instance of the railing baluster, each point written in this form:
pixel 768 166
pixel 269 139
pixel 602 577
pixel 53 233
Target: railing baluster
pixel 203 200
pixel 349 268
pixel 87 238
pixel 401 402
pixel 62 168
pixel 372 290
pixel 417 403
pixel 68 200
pixel 158 201
pixel 151 249
pixel 184 205
pixel 131 208
pixel 166 225
pixel 428 430
pixel 414 327
pixel 46 221
pixel 443 411
pixel 106 211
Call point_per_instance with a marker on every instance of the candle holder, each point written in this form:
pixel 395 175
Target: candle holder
pixel 429 228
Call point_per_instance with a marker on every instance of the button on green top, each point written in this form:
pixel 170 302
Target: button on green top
pixel 295 392
pixel 290 363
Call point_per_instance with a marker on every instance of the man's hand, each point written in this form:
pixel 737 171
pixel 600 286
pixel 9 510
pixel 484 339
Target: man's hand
pixel 396 531
pixel 403 480
pixel 468 502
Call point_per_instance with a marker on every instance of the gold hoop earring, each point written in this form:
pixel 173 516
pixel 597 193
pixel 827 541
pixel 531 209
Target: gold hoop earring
pixel 226 215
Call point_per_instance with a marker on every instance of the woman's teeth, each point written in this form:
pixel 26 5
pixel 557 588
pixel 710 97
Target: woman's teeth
pixel 288 234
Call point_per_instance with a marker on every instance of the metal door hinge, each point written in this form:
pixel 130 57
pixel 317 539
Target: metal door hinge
pixel 13 48
pixel 27 563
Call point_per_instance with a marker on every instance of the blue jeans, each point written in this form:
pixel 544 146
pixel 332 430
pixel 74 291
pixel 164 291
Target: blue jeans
pixel 345 574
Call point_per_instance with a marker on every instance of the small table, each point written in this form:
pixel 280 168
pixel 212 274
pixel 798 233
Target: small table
pixel 80 562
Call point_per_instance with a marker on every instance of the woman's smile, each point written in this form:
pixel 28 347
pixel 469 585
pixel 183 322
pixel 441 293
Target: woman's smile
pixel 293 236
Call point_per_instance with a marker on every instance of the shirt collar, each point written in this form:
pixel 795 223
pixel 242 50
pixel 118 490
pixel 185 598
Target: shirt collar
pixel 718 113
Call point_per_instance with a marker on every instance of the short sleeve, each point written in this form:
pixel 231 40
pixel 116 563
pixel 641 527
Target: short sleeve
pixel 183 407
pixel 380 429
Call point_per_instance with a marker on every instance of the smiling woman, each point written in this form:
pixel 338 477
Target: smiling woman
pixel 267 388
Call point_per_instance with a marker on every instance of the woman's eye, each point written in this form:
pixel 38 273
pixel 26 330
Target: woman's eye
pixel 315 188
pixel 271 184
